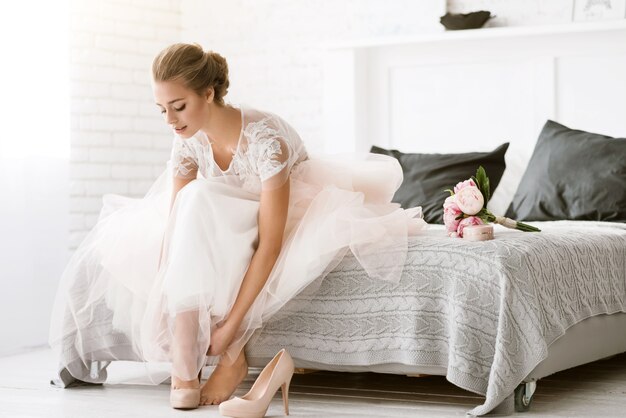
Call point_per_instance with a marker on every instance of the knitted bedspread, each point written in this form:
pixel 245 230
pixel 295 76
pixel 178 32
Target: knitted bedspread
pixel 485 311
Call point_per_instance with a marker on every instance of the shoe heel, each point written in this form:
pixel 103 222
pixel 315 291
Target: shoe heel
pixel 184 398
pixel 284 389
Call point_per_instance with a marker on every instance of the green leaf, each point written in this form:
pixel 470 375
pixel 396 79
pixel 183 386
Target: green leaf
pixel 490 216
pixel 486 193
pixel 482 181
pixel 449 190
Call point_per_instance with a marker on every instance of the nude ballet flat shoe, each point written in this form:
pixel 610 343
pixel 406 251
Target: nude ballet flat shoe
pixel 186 398
pixel 254 404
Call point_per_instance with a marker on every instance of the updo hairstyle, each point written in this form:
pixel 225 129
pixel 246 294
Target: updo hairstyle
pixel 196 69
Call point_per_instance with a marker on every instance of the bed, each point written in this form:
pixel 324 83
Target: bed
pixel 466 91
pixel 493 317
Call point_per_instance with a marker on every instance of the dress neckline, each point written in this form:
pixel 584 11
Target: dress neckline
pixel 235 151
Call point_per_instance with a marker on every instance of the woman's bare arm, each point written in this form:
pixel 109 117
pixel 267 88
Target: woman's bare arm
pixel 272 219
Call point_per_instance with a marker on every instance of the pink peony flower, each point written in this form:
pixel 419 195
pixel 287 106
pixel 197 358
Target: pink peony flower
pixel 470 200
pixel 450 204
pixel 450 212
pixel 451 223
pixel 463 184
pixel 472 220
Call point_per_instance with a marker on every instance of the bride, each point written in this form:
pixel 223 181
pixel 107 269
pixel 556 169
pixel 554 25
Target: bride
pixel 240 221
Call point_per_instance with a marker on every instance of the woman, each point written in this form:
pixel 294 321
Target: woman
pixel 240 221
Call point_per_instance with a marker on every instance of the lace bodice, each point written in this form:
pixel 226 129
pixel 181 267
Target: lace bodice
pixel 267 151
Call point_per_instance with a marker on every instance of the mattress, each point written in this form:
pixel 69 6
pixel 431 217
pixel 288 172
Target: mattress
pixel 483 313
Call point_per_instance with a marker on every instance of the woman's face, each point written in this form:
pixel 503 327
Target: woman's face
pixel 183 110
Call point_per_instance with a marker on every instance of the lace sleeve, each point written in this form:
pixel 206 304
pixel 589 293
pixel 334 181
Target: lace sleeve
pixel 271 153
pixel 273 159
pixel 184 162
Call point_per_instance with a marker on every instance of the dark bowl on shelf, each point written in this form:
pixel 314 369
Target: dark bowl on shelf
pixel 472 20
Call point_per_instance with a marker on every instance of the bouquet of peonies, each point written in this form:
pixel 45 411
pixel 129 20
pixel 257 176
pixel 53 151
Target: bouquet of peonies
pixel 467 205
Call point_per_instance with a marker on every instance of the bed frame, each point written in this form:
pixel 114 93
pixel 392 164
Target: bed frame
pixel 595 338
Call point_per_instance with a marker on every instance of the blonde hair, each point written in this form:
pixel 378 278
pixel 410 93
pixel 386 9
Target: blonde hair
pixel 196 69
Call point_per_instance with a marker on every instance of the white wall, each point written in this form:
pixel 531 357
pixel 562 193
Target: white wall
pixel 119 142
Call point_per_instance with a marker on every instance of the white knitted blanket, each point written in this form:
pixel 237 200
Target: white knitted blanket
pixel 485 311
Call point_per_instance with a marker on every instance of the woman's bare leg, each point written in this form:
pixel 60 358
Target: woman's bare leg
pixel 185 350
pixel 224 380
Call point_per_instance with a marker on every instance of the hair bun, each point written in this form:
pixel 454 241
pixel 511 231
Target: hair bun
pixel 217 65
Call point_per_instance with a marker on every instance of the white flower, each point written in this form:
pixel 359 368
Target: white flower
pixel 470 200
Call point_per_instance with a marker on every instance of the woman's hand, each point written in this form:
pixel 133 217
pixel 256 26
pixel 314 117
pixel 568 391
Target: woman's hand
pixel 221 337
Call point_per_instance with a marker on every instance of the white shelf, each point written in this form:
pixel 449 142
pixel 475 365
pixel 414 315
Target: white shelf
pixel 485 33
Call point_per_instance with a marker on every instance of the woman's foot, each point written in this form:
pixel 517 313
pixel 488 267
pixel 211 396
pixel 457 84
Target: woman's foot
pixel 223 381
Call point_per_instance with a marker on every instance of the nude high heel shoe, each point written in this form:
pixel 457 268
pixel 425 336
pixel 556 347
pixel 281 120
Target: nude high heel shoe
pixel 254 404
pixel 186 398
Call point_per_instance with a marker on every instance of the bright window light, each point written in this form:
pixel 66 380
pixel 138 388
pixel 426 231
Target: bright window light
pixel 34 79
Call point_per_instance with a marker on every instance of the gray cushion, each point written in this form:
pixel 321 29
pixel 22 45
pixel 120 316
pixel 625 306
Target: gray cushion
pixel 427 176
pixel 574 175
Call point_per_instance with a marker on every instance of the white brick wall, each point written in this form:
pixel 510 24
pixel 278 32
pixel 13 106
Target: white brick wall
pixel 274 48
pixel 119 141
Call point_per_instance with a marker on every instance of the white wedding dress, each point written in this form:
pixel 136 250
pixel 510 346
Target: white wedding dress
pixel 142 265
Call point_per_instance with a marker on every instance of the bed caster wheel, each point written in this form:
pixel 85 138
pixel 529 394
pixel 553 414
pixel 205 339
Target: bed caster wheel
pixel 524 396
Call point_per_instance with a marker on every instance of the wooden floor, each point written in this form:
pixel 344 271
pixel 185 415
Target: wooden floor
pixel 594 390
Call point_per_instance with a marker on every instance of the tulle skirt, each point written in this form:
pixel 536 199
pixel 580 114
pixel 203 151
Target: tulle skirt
pixel 148 284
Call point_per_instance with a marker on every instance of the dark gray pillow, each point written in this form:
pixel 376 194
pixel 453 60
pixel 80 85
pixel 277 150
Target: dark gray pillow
pixel 573 175
pixel 427 176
